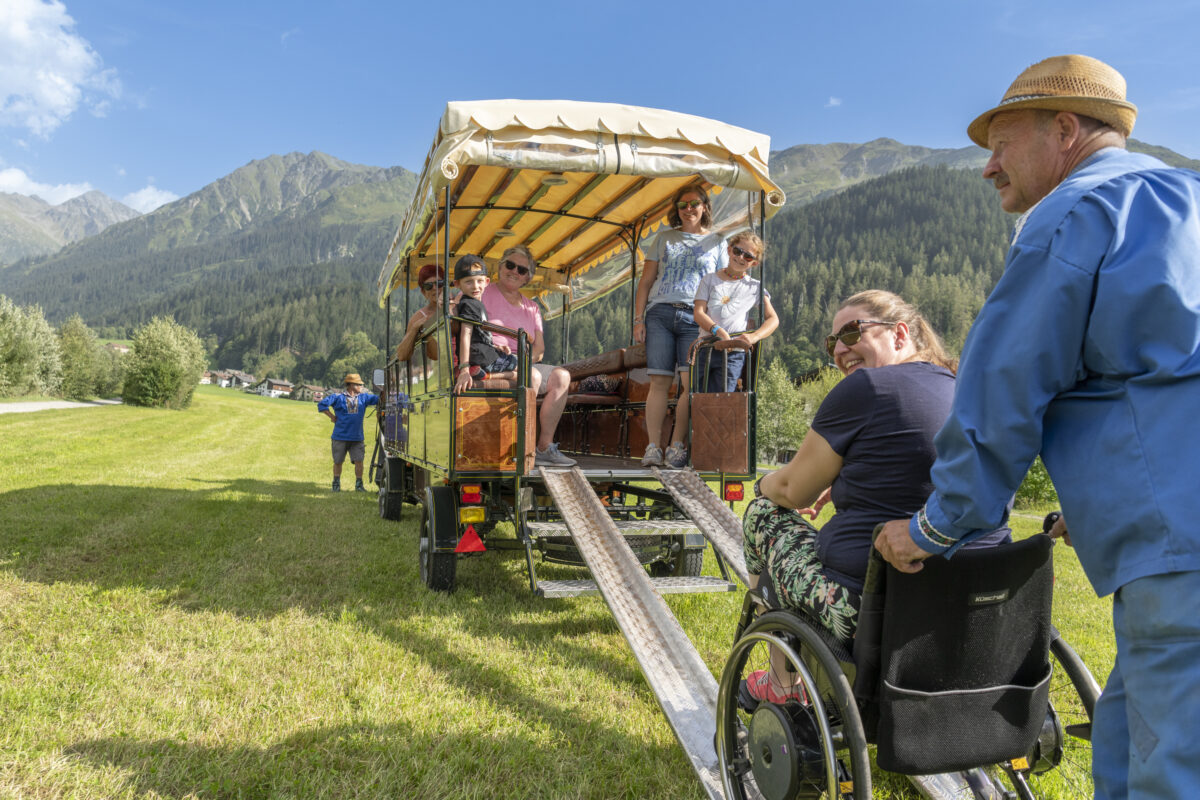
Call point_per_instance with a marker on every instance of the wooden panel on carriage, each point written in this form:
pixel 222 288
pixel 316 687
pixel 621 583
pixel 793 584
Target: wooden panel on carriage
pixel 486 433
pixel 638 438
pixel 720 432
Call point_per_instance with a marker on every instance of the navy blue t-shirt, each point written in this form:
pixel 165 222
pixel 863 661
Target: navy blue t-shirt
pixel 882 422
pixel 483 353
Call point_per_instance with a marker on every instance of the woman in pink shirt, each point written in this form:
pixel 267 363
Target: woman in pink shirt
pixel 508 307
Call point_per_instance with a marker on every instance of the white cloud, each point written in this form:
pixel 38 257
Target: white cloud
pixel 289 33
pixel 15 180
pixel 833 102
pixel 47 70
pixel 147 199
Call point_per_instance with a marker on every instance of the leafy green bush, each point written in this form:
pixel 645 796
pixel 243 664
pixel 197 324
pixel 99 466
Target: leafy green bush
pixel 30 358
pixel 80 359
pixel 164 366
pixel 1037 489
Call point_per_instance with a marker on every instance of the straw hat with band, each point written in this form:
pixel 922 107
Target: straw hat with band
pixel 353 378
pixel 1078 84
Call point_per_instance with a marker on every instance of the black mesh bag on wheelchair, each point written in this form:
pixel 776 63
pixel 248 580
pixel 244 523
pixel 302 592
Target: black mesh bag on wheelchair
pixel 960 673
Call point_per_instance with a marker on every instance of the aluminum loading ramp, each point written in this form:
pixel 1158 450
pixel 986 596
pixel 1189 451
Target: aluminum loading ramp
pixel 714 519
pixel 677 675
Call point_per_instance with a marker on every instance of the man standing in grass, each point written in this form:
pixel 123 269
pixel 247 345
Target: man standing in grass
pixel 1088 352
pixel 346 409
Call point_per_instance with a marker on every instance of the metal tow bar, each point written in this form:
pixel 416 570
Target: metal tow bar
pixel 714 519
pixel 677 675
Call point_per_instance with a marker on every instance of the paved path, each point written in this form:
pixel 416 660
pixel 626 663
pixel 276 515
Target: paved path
pixel 42 405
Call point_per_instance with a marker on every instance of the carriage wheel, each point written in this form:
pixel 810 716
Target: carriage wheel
pixel 437 517
pixel 809 749
pixel 391 503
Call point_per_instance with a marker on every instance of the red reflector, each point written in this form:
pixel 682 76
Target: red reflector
pixel 470 542
pixel 734 491
pixel 470 497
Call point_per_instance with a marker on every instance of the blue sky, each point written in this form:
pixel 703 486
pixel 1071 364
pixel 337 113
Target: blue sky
pixel 150 100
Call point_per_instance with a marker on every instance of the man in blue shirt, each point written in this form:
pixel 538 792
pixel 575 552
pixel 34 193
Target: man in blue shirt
pixel 347 410
pixel 1088 352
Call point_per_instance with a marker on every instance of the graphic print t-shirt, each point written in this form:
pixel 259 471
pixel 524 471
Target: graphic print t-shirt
pixel 729 302
pixel 683 259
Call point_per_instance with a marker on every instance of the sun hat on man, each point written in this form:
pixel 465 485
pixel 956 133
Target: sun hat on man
pixel 352 377
pixel 1079 84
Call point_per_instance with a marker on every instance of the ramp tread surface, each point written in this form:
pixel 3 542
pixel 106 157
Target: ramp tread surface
pixel 682 682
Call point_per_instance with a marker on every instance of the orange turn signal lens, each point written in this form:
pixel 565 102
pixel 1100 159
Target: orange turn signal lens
pixel 470 493
pixel 734 491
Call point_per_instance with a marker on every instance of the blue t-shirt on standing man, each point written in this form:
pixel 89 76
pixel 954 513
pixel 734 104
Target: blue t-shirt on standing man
pixel 350 411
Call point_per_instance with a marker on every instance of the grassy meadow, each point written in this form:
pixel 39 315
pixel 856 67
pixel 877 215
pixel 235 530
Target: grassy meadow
pixel 187 611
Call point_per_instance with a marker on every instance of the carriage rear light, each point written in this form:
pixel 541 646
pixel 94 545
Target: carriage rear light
pixel 472 514
pixel 470 493
pixel 734 491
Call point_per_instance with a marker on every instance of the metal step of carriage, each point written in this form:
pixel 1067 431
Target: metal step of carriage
pixel 667 585
pixel 634 527
pixel 630 528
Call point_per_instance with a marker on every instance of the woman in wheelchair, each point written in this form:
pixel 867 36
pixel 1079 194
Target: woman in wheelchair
pixel 869 450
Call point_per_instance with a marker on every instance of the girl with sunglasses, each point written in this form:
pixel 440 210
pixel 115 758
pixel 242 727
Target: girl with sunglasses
pixel 869 450
pixel 664 314
pixel 723 303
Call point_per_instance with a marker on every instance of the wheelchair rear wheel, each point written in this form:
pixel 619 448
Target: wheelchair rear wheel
pixel 1060 763
pixel 809 748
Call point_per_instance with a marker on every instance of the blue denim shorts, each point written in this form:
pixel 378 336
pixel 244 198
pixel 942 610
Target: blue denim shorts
pixel 670 331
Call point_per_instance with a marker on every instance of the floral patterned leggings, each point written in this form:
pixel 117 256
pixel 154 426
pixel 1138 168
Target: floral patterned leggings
pixel 783 543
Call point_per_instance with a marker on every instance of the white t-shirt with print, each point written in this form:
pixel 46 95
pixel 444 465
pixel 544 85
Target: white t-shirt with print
pixel 729 302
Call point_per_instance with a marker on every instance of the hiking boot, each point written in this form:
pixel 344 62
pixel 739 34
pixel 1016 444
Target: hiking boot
pixel 677 456
pixel 337 485
pixel 358 486
pixel 653 456
pixel 551 457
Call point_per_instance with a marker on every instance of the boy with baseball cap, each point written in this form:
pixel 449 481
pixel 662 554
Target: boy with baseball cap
pixel 478 354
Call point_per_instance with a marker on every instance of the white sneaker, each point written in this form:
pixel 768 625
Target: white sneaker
pixel 653 456
pixel 551 457
pixel 677 456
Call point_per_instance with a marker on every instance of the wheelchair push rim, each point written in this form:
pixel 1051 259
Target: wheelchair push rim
pixel 823 736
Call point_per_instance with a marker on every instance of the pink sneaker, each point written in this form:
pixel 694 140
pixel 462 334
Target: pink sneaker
pixel 758 684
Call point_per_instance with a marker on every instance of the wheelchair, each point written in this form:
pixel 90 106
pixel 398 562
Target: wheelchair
pixel 966 675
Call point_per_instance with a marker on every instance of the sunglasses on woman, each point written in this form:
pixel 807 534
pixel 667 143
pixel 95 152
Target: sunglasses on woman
pixel 850 333
pixel 429 285
pixel 682 204
pixel 520 268
pixel 744 255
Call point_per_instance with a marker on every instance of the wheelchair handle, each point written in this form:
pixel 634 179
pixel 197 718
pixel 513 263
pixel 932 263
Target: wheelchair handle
pixel 1049 521
pixel 876 567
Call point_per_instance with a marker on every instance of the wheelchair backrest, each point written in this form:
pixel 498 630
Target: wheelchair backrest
pixel 955 631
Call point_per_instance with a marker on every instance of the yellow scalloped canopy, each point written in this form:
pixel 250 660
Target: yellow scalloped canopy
pixel 572 181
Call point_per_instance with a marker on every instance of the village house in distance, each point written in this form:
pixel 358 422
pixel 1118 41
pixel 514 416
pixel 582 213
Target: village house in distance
pixel 267 387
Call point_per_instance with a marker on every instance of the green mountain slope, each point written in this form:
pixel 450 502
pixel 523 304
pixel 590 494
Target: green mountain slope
pixel 278 230
pixel 809 172
pixel 31 227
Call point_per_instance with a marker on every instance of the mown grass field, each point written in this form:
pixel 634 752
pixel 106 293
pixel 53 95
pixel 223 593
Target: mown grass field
pixel 187 611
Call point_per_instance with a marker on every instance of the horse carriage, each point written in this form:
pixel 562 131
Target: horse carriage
pixel 582 185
